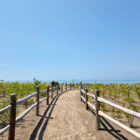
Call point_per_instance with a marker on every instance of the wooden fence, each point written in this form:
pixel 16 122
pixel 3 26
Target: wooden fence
pixel 84 97
pixel 63 88
pixel 50 91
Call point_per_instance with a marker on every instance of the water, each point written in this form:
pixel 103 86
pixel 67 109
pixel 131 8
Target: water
pixel 102 81
pixel 88 81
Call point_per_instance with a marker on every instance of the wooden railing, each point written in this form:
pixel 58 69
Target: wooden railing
pixel 63 88
pixel 84 97
pixel 13 103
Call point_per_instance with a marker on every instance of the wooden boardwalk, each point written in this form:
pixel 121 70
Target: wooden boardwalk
pixel 65 119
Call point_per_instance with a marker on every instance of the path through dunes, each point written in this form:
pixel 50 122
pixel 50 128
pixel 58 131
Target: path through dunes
pixel 65 119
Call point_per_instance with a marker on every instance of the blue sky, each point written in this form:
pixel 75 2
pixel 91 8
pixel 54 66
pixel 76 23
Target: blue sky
pixel 70 39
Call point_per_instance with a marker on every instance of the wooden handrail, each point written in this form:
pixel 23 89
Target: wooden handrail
pixel 26 98
pixel 3 130
pixel 25 112
pixel 7 108
pixel 128 111
pixel 42 91
pixel 91 95
pixel 120 124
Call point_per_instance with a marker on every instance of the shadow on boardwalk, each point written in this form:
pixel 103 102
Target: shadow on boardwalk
pixel 35 131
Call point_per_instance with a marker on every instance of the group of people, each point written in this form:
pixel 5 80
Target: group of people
pixel 54 84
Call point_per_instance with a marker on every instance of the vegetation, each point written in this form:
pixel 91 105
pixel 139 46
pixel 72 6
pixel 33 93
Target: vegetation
pixel 22 90
pixel 122 94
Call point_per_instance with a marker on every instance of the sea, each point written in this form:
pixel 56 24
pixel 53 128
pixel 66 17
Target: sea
pixel 87 81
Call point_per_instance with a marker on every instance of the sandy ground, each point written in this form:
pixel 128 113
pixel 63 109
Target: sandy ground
pixel 66 119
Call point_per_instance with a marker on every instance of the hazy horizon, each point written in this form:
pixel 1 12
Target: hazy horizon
pixel 83 81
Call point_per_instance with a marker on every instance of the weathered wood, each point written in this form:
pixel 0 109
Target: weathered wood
pixel 61 89
pixel 86 99
pixel 50 95
pixel 100 113
pixel 42 91
pixel 12 117
pixel 70 86
pixel 83 92
pixel 133 113
pixel 81 85
pixel 3 130
pixel 45 98
pixel 26 98
pixel 57 88
pixel 128 111
pixel 52 92
pixel 83 99
pixel 5 109
pixel 136 134
pixel 116 122
pixel 37 100
pixel 47 101
pixel 66 86
pixel 92 106
pixel 97 104
pixel 26 112
pixel 80 93
pixel 91 95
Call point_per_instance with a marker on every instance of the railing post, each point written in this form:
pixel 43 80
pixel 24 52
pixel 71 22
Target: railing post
pixel 12 117
pixel 80 92
pixel 37 100
pixel 85 90
pixel 57 90
pixel 97 109
pixel 62 88
pixel 70 86
pixel 86 99
pixel 81 84
pixel 52 92
pixel 66 86
pixel 47 95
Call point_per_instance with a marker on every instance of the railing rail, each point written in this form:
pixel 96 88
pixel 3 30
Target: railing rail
pixel 96 108
pixel 128 111
pixel 7 108
pixel 26 98
pixel 50 91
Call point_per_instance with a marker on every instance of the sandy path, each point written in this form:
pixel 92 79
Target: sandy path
pixel 65 119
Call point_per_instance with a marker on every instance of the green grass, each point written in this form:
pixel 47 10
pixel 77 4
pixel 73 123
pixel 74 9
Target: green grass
pixel 22 90
pixel 125 95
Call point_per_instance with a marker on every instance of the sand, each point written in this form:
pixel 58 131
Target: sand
pixel 66 119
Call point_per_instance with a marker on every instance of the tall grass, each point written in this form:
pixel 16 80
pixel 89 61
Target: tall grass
pixel 21 89
pixel 123 94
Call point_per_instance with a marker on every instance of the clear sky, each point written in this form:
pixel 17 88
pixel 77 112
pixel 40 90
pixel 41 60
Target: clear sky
pixel 70 39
